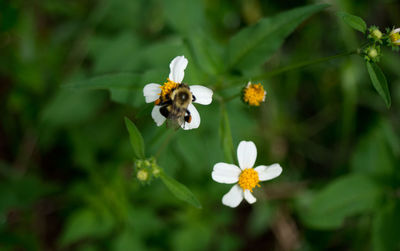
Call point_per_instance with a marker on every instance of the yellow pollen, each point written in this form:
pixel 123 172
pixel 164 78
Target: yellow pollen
pixel 254 94
pixel 248 179
pixel 395 37
pixel 167 87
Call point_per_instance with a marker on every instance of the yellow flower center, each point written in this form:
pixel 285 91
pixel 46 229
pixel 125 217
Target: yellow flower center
pixel 248 179
pixel 395 37
pixel 167 87
pixel 254 94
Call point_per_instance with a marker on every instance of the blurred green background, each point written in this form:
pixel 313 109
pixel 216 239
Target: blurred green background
pixel 66 170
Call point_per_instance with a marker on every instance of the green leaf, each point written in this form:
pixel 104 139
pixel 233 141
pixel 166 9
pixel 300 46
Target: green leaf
pixel 354 22
pixel 373 155
pixel 344 197
pixel 386 228
pixel 83 224
pixel 136 139
pixel 379 82
pixel 114 80
pixel 179 190
pixel 226 137
pixel 256 44
pixel 184 16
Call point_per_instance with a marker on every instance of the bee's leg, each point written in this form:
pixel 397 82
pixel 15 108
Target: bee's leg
pixel 188 117
pixel 164 111
pixel 193 98
pixel 167 102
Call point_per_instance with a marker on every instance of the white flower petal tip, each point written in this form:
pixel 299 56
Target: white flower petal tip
pixel 268 172
pixel 246 154
pixel 233 197
pixel 225 173
pixel 151 92
pixel 396 30
pixel 202 94
pixel 195 122
pixel 156 115
pixel 177 69
pixel 248 196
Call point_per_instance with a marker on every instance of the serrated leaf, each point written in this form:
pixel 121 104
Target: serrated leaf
pixel 136 139
pixel 379 82
pixel 108 81
pixel 226 137
pixel 179 190
pixel 256 44
pixel 354 22
pixel 344 197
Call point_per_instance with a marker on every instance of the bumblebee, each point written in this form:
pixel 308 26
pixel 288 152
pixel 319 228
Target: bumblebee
pixel 174 106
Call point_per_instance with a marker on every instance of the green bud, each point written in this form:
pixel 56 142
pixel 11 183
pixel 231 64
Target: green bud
pixel 142 175
pixel 146 170
pixel 372 53
pixel 375 33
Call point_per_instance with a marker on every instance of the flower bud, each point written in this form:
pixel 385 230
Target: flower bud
pixel 146 170
pixel 142 175
pixel 372 53
pixel 375 34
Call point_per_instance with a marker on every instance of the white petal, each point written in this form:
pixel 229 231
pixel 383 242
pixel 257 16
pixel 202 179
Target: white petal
pixel 156 115
pixel 233 197
pixel 202 94
pixel 247 154
pixel 177 69
pixel 249 196
pixel 397 42
pixel 225 173
pixel 151 92
pixel 195 119
pixel 268 172
pixel 396 30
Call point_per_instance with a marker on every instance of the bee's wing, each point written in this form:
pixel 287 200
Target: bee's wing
pixel 175 122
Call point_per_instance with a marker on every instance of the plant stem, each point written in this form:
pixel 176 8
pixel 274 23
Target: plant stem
pixel 300 65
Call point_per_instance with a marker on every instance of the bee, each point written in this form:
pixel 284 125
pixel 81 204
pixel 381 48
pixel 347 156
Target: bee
pixel 174 105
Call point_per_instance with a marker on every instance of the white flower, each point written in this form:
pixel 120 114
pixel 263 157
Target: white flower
pixel 395 36
pixel 152 93
pixel 246 176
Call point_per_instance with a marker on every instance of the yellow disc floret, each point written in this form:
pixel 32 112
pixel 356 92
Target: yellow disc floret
pixel 248 179
pixel 167 87
pixel 254 94
pixel 395 38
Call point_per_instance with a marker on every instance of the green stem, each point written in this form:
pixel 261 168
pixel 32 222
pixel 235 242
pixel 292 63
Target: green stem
pixel 300 65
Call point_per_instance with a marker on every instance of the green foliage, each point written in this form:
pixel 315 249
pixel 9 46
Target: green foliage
pixel 179 190
pixel 226 137
pixel 136 139
pixel 254 45
pixel 379 82
pixel 386 227
pixel 66 169
pixel 346 196
pixel 85 224
pixel 353 21
pixel 108 81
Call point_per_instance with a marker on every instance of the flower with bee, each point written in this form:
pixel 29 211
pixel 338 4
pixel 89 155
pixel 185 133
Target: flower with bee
pixel 174 100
